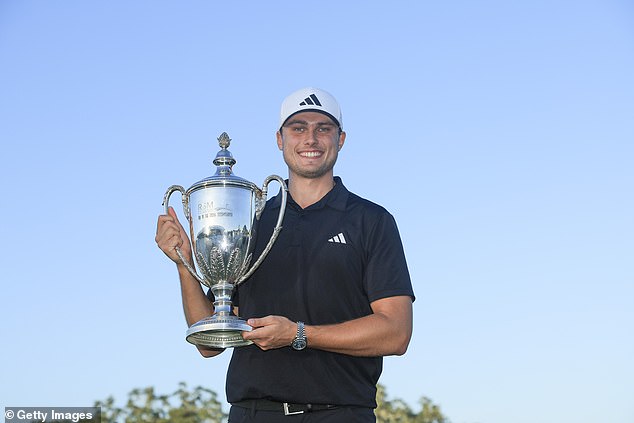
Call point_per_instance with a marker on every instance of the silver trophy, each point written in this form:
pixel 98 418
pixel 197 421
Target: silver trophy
pixel 223 211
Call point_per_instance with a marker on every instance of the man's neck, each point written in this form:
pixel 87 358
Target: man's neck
pixel 306 191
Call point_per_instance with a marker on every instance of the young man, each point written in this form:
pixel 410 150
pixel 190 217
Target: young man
pixel 330 300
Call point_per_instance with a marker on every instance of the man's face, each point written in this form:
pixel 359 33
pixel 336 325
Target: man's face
pixel 310 142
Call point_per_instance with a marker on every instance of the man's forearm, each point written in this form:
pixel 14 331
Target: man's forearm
pixel 385 332
pixel 196 305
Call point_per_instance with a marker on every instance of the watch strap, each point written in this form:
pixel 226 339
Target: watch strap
pixel 299 343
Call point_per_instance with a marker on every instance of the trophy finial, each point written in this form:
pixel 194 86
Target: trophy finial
pixel 224 141
pixel 224 160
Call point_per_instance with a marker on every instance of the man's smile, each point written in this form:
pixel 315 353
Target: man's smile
pixel 311 154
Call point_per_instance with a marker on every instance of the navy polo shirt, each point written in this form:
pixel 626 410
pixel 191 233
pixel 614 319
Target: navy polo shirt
pixel 329 262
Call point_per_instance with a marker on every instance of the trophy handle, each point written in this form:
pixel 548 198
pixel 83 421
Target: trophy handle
pixel 185 201
pixel 278 226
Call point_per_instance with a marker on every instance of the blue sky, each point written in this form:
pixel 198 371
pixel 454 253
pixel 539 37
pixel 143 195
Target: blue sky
pixel 499 134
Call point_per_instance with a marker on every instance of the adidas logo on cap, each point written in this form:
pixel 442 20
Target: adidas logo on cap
pixel 311 99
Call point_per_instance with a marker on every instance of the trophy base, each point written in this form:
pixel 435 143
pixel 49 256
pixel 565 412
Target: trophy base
pixel 218 332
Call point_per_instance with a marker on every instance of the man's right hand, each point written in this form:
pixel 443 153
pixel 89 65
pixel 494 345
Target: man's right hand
pixel 171 234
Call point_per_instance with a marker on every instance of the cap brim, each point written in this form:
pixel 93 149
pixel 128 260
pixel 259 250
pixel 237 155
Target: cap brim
pixel 312 110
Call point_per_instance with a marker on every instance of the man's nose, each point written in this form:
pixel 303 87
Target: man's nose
pixel 312 137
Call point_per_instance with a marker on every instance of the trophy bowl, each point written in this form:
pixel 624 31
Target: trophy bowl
pixel 223 212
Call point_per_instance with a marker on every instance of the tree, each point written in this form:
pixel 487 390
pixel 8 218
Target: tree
pixel 182 406
pixel 397 411
pixel 202 406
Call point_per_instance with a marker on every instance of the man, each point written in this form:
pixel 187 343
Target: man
pixel 330 300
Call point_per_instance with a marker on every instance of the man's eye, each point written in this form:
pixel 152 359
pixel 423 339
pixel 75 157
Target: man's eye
pixel 298 129
pixel 324 129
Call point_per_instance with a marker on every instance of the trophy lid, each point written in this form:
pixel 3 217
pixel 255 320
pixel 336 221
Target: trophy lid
pixel 224 175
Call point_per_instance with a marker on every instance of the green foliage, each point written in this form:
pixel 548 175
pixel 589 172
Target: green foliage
pixel 397 411
pixel 182 406
pixel 202 406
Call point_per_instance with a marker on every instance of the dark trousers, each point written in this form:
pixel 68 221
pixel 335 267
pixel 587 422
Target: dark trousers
pixel 336 415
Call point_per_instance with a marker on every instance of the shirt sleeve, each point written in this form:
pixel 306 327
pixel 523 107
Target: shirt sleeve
pixel 386 273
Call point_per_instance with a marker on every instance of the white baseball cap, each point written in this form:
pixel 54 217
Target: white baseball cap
pixel 311 100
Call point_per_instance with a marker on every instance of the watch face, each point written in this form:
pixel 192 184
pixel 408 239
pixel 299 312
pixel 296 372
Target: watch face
pixel 299 344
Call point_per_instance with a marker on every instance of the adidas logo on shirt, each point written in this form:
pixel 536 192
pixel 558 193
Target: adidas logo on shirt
pixel 338 239
pixel 312 100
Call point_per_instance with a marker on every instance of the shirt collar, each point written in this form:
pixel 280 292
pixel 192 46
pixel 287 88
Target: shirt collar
pixel 336 198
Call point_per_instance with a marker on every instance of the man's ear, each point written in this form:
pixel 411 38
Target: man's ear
pixel 342 139
pixel 280 142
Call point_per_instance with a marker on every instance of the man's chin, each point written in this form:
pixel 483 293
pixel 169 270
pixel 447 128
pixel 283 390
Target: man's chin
pixel 313 174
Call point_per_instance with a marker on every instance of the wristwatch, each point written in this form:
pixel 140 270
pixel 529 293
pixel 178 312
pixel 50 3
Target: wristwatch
pixel 299 343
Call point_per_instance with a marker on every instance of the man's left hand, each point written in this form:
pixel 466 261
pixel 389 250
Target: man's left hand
pixel 271 332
